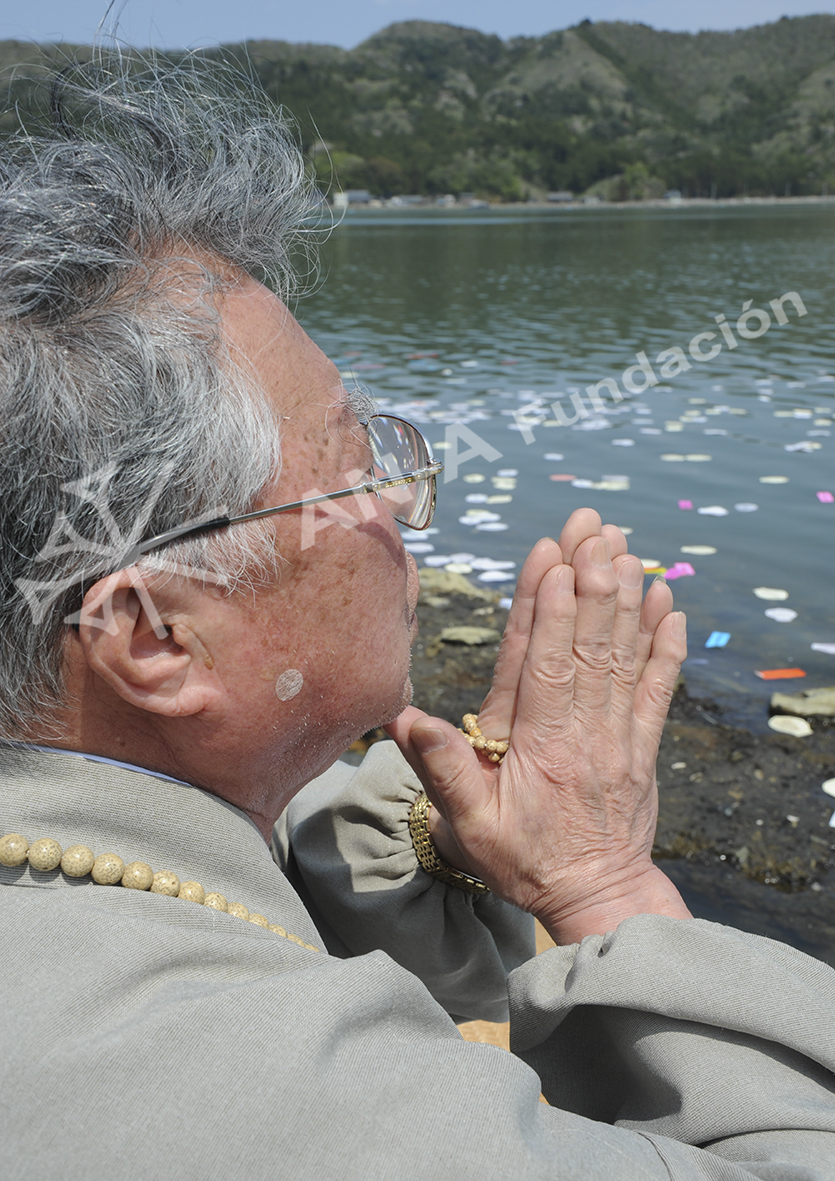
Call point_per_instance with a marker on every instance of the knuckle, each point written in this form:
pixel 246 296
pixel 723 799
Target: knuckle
pixel 596 658
pixel 556 674
pixel 602 586
pixel 625 676
pixel 624 664
pixel 659 692
pixel 453 779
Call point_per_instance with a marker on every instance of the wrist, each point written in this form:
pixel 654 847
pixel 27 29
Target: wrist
pixel 427 852
pixel 602 910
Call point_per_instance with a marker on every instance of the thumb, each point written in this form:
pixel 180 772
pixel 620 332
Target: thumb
pixel 445 763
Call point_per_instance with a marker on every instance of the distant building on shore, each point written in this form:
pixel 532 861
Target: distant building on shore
pixel 345 197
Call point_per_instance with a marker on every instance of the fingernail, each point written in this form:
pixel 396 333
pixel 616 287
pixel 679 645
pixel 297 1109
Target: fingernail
pixel 659 578
pixel 601 555
pixel 631 575
pixel 679 625
pixel 425 741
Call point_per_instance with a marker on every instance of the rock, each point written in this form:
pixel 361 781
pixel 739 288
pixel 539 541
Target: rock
pixel 440 582
pixel 470 635
pixel 811 703
pixel 436 601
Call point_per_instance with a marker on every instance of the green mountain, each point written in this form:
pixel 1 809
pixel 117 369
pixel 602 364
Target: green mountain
pixel 615 107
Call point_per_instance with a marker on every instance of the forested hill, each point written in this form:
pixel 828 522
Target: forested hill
pixel 431 108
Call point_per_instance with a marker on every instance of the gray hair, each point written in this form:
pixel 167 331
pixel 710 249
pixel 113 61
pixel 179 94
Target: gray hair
pixel 121 413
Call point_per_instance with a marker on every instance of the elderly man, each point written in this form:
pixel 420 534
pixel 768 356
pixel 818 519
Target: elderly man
pixel 205 600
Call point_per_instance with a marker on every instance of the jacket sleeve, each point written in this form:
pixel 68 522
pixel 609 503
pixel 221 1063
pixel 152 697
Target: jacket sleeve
pixel 715 1046
pixel 345 845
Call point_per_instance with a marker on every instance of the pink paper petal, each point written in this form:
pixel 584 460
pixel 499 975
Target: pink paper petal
pixel 679 570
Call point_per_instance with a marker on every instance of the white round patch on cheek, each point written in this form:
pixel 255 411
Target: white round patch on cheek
pixel 289 684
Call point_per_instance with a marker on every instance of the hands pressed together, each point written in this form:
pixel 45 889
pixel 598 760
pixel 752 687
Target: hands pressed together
pixel 564 826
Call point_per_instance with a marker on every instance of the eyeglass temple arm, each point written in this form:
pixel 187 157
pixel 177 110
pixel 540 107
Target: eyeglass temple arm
pixel 143 547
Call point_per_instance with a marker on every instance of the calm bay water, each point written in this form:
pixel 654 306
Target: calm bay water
pixel 458 319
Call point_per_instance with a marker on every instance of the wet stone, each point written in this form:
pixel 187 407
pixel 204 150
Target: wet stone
pixel 470 635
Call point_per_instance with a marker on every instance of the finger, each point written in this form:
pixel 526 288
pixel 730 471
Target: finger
pixel 546 687
pixel 498 711
pixel 407 730
pixel 616 539
pixel 655 688
pixel 582 524
pixel 449 770
pixel 626 628
pixel 597 594
pixel 658 603
pixel 400 727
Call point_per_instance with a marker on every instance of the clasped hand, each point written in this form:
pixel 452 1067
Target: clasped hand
pixel 564 826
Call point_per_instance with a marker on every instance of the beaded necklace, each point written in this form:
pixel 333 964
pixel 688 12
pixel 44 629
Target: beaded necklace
pixel 109 870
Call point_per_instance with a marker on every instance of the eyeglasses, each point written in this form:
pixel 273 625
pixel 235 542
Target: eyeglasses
pixel 404 478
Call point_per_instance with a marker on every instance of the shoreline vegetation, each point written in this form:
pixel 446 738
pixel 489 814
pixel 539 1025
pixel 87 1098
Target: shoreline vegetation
pixel 743 826
pixel 609 109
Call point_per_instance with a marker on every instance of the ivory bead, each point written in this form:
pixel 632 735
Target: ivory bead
pixel 165 882
pixel 138 876
pixel 494 758
pixel 77 861
pixel 491 745
pixel 107 869
pixel 470 720
pixel 13 849
pixel 480 743
pixel 502 747
pixel 45 854
pixel 192 892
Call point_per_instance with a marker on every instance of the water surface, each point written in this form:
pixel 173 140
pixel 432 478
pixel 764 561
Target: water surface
pixel 460 319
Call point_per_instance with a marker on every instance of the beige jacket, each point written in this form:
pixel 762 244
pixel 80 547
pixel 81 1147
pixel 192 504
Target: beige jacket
pixel 146 1036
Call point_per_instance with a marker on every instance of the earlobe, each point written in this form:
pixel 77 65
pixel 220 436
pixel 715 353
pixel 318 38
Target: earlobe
pixel 145 648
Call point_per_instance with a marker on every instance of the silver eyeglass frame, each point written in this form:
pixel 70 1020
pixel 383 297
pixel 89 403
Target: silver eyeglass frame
pixel 429 472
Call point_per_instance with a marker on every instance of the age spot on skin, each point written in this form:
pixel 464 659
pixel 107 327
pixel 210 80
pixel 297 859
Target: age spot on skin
pixel 289 684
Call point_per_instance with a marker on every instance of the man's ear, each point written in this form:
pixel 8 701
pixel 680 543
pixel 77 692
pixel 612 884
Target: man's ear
pixel 145 647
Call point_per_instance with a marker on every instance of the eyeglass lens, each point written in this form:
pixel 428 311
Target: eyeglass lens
pixel 399 448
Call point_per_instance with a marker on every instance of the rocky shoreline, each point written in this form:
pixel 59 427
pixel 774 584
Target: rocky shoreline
pixel 743 825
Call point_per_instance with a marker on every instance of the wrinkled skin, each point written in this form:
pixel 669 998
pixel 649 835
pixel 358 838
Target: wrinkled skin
pixel 563 827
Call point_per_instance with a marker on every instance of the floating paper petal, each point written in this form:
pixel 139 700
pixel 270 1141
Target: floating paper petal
pixel 781 614
pixel 717 639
